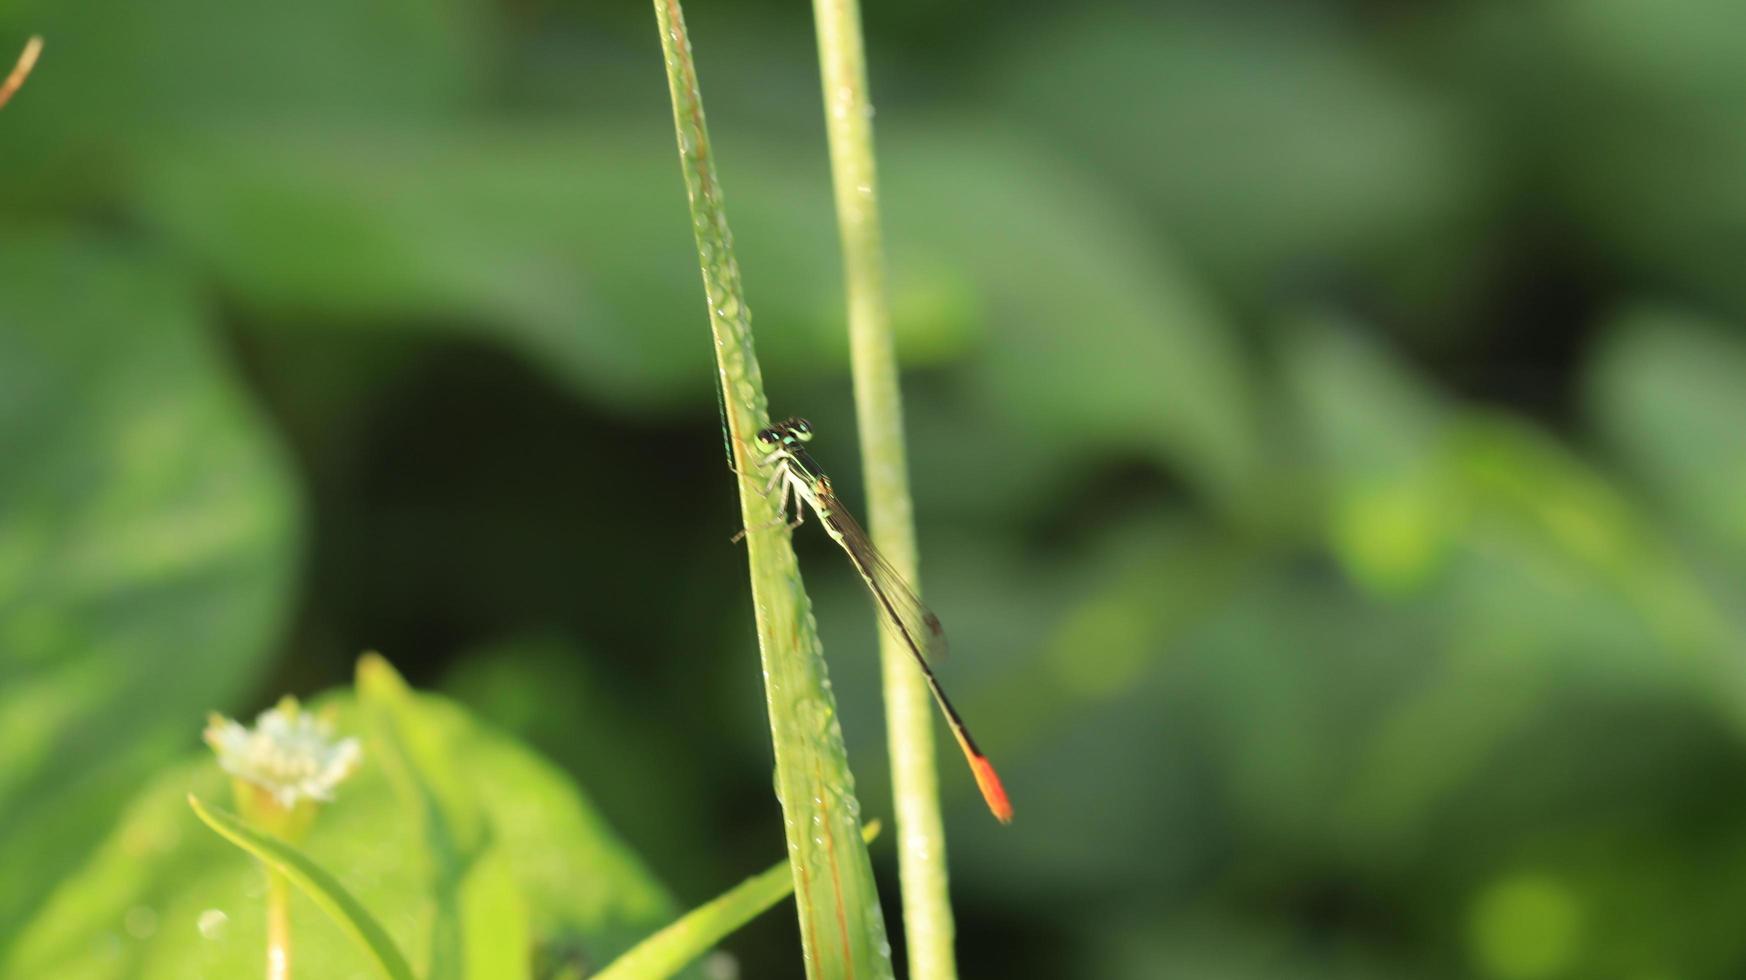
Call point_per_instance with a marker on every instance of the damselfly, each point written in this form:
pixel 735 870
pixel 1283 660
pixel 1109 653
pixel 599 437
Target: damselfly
pixel 803 484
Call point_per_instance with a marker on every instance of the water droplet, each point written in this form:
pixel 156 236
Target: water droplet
pixel 815 715
pixel 140 922
pixel 211 924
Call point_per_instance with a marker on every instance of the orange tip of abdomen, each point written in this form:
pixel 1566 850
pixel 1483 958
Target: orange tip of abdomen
pixel 989 782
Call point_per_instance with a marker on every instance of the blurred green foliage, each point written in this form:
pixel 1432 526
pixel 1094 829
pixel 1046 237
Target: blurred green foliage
pixel 148 527
pixel 1327 432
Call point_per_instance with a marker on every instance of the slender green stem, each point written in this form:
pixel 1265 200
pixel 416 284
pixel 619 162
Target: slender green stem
pixel 909 710
pixel 842 929
pixel 278 926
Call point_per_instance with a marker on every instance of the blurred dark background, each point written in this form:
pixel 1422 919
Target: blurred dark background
pixel 1328 428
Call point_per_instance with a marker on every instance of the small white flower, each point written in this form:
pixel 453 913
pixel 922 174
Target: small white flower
pixel 290 753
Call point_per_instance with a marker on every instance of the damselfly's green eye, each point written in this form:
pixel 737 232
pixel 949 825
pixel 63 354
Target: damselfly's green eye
pixel 801 428
pixel 769 438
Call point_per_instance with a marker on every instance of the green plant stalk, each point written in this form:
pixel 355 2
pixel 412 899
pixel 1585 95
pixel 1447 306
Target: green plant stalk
pixel 278 926
pixel 909 709
pixel 842 929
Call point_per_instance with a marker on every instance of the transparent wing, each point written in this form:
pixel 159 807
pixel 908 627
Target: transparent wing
pixel 904 615
pixel 899 609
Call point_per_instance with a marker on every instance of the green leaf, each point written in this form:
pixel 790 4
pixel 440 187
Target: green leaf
pixel 479 928
pixel 147 527
pixel 516 234
pixel 1260 148
pixel 1511 565
pixel 1617 101
pixel 1667 393
pixel 1420 479
pixel 1116 348
pixel 321 887
pixel 587 896
pixel 666 952
pixel 124 79
pixel 550 883
pixel 1375 433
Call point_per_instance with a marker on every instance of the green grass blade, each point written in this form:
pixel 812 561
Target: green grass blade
pixel 842 929
pixel 909 710
pixel 322 888
pixel 668 951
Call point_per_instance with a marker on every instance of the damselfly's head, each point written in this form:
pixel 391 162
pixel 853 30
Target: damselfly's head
pixel 787 432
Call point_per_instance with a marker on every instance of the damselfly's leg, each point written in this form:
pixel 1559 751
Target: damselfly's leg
pixel 766 461
pixel 776 476
pixel 782 505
